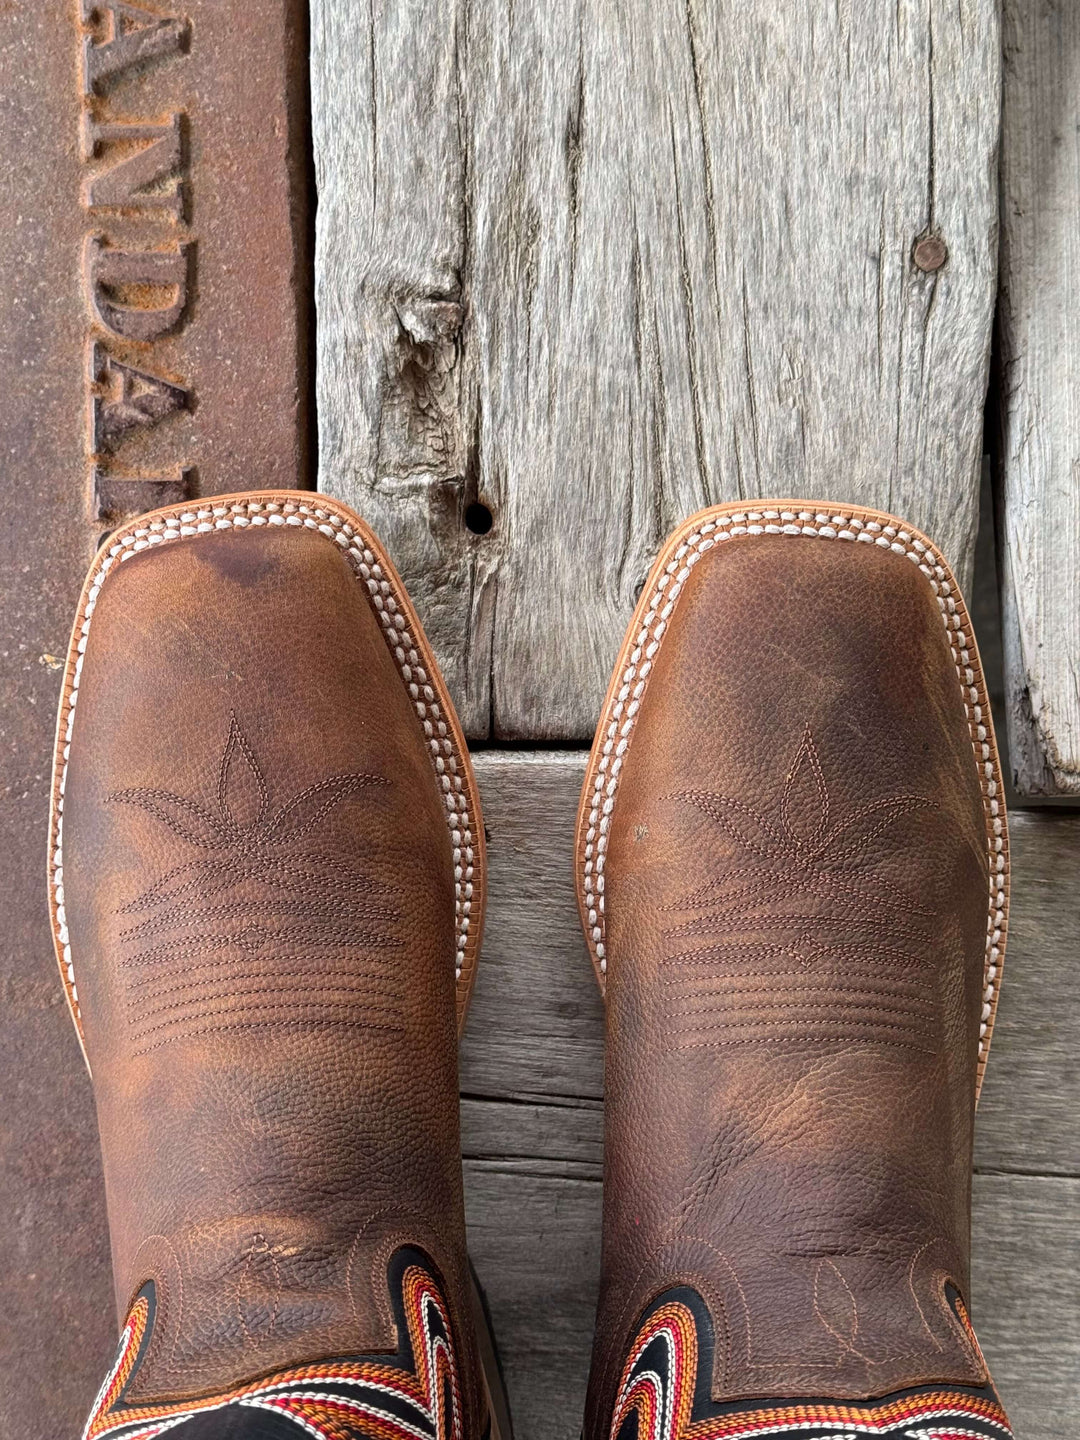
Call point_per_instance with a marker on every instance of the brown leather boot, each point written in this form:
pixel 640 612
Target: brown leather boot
pixel 267 887
pixel 792 869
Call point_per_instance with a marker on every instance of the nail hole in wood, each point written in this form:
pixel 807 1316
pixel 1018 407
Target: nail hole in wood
pixel 478 518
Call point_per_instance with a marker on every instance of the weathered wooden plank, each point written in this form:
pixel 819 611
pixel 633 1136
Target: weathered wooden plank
pixel 390 167
pixel 567 1133
pixel 536 1021
pixel 1025 1300
pixel 534 1238
pixel 1038 404
pixel 535 1030
pixel 1031 1098
pixel 599 266
pixel 535 1242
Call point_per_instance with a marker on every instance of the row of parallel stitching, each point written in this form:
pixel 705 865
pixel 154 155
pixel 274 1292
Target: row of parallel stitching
pixel 297 1007
pixel 773 961
pixel 751 1001
pixel 798 1023
pixel 448 765
pixel 181 984
pixel 666 591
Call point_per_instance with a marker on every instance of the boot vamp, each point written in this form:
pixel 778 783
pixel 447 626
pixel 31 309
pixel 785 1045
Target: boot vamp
pixel 259 889
pixel 796 901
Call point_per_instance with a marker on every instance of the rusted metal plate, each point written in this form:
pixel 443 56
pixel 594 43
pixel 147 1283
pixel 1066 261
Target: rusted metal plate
pixel 154 288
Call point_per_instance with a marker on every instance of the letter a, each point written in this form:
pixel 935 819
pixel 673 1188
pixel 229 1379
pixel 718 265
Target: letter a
pixel 133 36
pixel 129 399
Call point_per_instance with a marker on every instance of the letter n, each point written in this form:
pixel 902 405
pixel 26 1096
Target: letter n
pixel 136 182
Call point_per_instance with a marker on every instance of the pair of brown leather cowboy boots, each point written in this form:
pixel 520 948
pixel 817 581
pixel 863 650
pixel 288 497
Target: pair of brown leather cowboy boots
pixel 267 879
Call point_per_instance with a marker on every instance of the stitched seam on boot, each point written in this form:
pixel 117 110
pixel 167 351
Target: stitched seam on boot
pixel 666 591
pixel 241 515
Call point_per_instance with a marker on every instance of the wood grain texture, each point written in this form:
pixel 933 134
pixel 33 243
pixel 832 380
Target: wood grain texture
pixel 1039 393
pixel 534 1239
pixel 536 1022
pixel 1025 1300
pixel 600 266
pixel 532 1118
pixel 1028 1113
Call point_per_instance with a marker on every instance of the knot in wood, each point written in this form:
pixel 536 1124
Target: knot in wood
pixel 431 322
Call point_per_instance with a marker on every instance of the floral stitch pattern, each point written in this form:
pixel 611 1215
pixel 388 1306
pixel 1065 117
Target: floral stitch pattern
pixel 278 904
pixel 279 513
pixel 701 534
pixel 862 944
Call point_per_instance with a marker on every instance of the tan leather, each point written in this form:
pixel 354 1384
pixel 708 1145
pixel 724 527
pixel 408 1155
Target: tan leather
pixel 796 914
pixel 259 889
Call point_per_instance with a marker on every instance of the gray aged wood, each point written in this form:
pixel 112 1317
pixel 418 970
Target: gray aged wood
pixel 1029 1113
pixel 1025 1299
pixel 601 265
pixel 1039 308
pixel 536 1014
pixel 532 1126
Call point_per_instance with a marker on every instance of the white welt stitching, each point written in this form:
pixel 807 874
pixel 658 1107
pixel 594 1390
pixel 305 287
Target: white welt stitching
pixel 666 591
pixel 446 763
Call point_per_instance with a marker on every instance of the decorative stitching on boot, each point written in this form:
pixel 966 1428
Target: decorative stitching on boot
pixel 254 842
pixel 289 515
pixel 798 853
pixel 664 1394
pixel 414 1395
pixel 667 588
